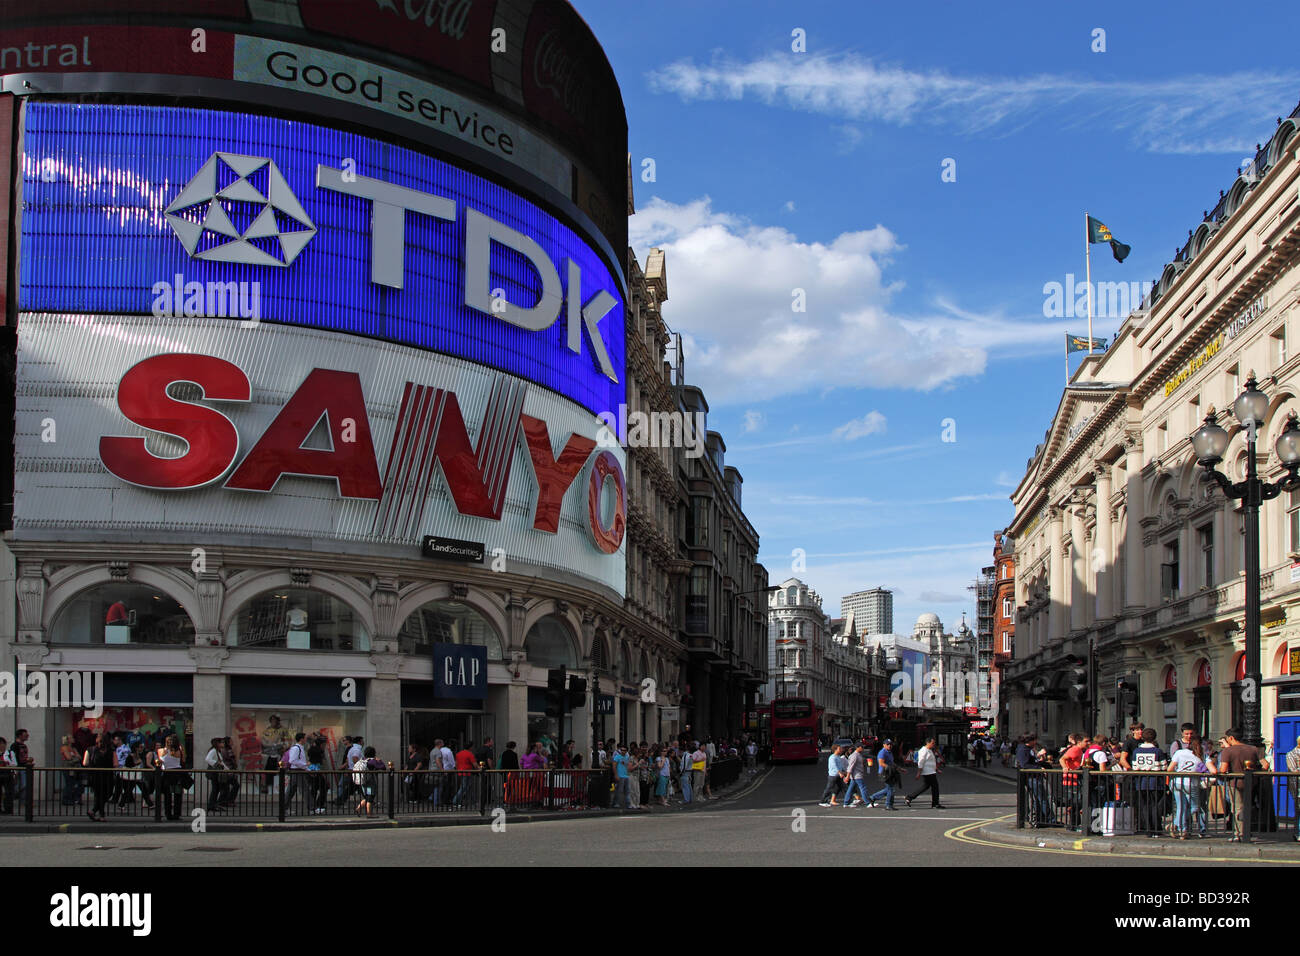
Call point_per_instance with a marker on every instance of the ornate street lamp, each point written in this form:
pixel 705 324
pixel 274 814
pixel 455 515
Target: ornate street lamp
pixel 1210 442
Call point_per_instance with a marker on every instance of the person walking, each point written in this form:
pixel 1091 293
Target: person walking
pixel 215 777
pixel 294 761
pixel 856 770
pixel 684 774
pixel 889 776
pixel 927 769
pixel 100 760
pixel 836 774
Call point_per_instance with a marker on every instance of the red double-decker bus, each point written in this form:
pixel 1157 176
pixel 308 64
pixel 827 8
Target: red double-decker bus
pixel 795 724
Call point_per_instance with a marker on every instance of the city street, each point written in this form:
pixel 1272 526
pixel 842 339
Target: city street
pixel 756 829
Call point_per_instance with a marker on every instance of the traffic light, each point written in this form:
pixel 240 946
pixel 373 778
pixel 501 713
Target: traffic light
pixel 1078 683
pixel 555 681
pixel 577 692
pixel 1126 696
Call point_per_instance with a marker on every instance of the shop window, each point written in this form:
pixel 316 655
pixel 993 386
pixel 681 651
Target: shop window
pixel 146 726
pixel 298 619
pixel 447 622
pixel 260 735
pixel 122 614
pixel 550 644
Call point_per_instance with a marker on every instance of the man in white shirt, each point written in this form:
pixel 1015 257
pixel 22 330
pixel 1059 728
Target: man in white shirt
pixel 927 768
pixel 442 758
pixel 296 758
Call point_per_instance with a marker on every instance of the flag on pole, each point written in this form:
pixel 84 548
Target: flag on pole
pixel 1079 343
pixel 1098 231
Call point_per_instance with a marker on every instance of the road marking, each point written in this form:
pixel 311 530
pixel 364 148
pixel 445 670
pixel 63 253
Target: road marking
pixel 863 816
pixel 961 835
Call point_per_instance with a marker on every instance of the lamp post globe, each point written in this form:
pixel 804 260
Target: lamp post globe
pixel 1251 405
pixel 1210 441
pixel 1288 443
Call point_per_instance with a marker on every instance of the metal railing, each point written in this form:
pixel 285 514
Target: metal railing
pixel 51 793
pixel 62 794
pixel 1255 805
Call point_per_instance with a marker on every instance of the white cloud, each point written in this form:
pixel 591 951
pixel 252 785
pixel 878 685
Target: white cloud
pixel 789 205
pixel 868 424
pixel 753 421
pixel 733 290
pixel 1188 114
pixel 1006 479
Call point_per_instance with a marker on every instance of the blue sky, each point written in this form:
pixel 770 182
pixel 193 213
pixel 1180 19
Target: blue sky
pixel 777 170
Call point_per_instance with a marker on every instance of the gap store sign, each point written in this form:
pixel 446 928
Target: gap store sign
pixel 140 210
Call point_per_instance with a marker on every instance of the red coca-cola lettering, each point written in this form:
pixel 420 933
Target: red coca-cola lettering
pixel 143 398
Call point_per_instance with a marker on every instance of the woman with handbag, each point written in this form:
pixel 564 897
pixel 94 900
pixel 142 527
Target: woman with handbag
pixel 172 757
pixel 100 760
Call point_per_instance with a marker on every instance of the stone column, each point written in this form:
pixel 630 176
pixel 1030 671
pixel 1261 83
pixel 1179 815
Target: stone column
pixel 1056 611
pixel 211 700
pixel 1105 549
pixel 1134 551
pixel 1079 566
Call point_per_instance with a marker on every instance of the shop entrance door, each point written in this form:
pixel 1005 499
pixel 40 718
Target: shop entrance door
pixel 1201 712
pixel 423 727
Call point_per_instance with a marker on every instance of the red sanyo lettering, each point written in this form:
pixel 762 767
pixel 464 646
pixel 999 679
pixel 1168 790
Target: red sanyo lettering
pixel 432 430
pixel 337 397
pixel 210 436
pixel 554 475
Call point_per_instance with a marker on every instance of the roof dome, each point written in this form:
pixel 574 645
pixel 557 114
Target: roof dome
pixel 927 618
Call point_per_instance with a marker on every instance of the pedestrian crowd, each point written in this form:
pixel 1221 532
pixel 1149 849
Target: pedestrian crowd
pixel 849 768
pixel 678 773
pixel 1168 791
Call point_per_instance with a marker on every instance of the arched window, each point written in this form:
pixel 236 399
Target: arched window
pixel 300 619
pixel 599 656
pixel 122 614
pixel 550 643
pixel 447 622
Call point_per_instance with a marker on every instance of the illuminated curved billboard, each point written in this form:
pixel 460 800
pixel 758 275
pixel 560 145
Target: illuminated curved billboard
pixel 183 213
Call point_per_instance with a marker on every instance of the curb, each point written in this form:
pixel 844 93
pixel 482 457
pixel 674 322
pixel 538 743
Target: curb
pixel 1198 849
pixel 136 828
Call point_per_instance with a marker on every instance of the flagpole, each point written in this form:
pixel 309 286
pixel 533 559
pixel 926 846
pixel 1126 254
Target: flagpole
pixel 1067 359
pixel 1087 266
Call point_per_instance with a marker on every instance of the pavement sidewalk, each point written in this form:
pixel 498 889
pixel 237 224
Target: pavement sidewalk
pixel 226 824
pixel 1003 831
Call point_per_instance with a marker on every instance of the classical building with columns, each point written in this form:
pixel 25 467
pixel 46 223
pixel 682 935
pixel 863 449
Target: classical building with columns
pixel 1121 542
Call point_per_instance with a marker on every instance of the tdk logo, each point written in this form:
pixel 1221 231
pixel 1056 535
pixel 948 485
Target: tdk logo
pixel 205 213
pixel 240 209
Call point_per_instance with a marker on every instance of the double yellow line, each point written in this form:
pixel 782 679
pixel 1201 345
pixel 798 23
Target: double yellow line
pixel 962 835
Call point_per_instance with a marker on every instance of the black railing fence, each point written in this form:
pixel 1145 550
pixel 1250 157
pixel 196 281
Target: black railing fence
pixel 1243 806
pixel 50 793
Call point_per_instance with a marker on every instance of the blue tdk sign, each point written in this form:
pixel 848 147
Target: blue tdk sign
pixel 191 212
pixel 460 670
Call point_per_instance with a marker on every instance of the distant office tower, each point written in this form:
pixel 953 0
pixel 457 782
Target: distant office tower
pixel 873 610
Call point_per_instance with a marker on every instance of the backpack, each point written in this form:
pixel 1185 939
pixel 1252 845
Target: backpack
pixel 359 778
